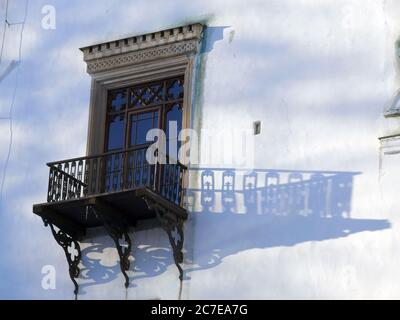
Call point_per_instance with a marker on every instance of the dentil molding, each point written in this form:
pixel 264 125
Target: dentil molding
pixel 143 48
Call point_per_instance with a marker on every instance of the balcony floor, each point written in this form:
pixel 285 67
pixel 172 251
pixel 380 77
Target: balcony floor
pixel 73 217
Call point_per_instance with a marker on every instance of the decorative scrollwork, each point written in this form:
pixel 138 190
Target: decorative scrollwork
pixel 174 231
pixel 71 249
pixel 173 226
pixel 118 232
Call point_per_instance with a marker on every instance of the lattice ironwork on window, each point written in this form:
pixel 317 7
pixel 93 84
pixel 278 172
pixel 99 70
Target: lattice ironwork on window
pixel 127 106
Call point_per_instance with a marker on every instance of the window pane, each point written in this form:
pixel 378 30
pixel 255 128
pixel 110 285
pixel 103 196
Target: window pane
pixel 133 133
pixel 174 114
pixel 144 116
pixel 146 95
pixel 117 101
pixel 116 128
pixel 140 125
pixel 175 90
pixel 155 123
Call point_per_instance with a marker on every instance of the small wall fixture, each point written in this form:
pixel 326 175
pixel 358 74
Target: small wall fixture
pixel 257 127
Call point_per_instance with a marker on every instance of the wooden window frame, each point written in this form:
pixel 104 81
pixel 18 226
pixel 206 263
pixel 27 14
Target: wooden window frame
pixel 128 76
pixel 161 107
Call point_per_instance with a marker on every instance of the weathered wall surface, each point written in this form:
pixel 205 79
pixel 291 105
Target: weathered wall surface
pixel 318 78
pixel 317 74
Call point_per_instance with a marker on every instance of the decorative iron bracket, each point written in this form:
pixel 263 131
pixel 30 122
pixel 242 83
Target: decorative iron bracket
pixel 117 229
pixel 69 245
pixel 170 222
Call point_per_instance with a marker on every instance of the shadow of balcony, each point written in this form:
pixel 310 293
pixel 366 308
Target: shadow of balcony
pixel 234 211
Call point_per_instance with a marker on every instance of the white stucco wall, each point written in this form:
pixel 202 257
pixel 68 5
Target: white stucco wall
pixel 318 77
pixel 317 74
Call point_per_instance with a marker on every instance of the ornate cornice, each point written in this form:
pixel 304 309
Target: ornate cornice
pixel 143 48
pixel 120 60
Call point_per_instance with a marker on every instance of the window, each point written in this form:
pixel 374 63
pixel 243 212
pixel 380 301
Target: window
pixel 133 111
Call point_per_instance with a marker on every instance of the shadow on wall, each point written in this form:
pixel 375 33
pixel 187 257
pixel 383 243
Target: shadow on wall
pixel 236 210
pixel 98 268
pixel 211 36
pixel 95 270
pixel 268 208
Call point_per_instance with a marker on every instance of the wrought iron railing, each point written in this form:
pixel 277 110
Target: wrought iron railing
pixel 113 172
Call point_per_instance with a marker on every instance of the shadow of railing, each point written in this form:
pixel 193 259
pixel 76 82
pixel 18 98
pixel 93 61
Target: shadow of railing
pixel 94 270
pixel 241 210
pixel 317 194
pixel 238 210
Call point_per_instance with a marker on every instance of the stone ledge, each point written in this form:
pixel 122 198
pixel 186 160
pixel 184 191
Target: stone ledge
pixel 390 144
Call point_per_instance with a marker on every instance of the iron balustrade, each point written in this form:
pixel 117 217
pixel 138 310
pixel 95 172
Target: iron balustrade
pixel 114 172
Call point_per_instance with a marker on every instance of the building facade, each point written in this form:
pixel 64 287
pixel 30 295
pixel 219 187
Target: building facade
pixel 289 189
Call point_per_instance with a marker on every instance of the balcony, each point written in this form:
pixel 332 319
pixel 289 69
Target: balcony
pixel 113 190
